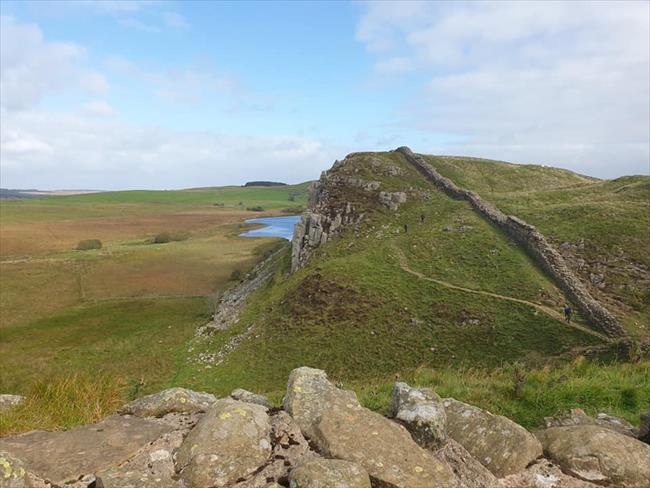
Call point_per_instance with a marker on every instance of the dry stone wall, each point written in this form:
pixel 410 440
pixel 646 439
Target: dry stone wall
pixel 533 241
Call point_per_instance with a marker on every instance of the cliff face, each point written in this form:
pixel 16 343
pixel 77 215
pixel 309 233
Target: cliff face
pixel 339 199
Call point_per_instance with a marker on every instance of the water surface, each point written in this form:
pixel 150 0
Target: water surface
pixel 273 227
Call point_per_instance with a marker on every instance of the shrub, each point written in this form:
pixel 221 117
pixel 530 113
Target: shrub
pixel 87 244
pixel 255 209
pixel 165 237
pixel 235 275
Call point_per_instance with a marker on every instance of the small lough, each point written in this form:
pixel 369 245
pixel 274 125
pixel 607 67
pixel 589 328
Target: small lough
pixel 273 227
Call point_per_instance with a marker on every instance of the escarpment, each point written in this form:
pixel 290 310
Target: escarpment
pixel 338 200
pixel 533 242
pixel 341 198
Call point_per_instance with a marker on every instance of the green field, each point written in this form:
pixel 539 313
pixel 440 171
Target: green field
pixel 452 303
pixel 125 311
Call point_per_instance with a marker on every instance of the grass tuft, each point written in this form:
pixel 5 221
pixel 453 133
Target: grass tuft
pixel 62 402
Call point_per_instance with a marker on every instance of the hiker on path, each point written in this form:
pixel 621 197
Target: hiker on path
pixel 567 314
pixel 422 218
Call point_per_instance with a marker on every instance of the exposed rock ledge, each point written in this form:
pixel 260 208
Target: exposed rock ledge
pixel 321 438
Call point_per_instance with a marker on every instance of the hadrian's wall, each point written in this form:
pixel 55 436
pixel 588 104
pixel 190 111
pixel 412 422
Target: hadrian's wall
pixel 533 241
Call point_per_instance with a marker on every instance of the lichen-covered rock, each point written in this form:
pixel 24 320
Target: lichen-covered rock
pixel 152 467
pixel 575 416
pixel 498 443
pixel 392 200
pixel 618 424
pixel 13 473
pixel 600 455
pixel 329 473
pixel 10 401
pixel 470 473
pixel 289 449
pixel 421 411
pixel 309 394
pixel 382 447
pixel 180 400
pixel 543 474
pixel 229 443
pixel 62 457
pixel 250 397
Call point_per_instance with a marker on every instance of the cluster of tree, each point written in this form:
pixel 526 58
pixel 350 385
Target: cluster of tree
pixel 265 183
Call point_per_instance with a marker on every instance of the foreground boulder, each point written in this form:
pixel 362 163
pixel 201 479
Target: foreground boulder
pixel 309 394
pixel 384 448
pixel 577 416
pixel 179 400
pixel 600 455
pixel 66 456
pixel 498 443
pixel 470 473
pixel 152 467
pixel 228 444
pixel 421 411
pixel 250 397
pixel 289 449
pixel 329 473
pixel 543 474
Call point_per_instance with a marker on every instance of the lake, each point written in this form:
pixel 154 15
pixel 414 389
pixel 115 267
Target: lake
pixel 273 227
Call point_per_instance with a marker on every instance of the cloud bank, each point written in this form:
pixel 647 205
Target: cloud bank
pixel 563 83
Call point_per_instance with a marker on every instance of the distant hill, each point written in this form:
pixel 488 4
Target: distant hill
pixel 400 275
pixel 265 183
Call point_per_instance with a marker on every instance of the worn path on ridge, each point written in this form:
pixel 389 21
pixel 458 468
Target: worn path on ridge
pixel 403 263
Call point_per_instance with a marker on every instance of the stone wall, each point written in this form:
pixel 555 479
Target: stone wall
pixel 533 241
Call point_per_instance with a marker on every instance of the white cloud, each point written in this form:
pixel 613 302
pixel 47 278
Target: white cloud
pixel 560 82
pixel 31 67
pixel 180 84
pixel 55 150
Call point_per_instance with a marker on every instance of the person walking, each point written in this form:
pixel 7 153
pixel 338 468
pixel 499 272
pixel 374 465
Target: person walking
pixel 568 312
pixel 406 228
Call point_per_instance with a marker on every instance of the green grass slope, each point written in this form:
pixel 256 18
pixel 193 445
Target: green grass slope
pixel 452 292
pixel 601 226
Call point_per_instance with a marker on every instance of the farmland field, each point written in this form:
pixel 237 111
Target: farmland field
pixel 132 304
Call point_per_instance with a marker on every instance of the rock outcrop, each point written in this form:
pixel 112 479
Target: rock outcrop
pixel 227 445
pixel 422 413
pixel 599 455
pixel 329 473
pixel 498 443
pixel 169 401
pixel 322 439
pixel 532 241
pixel 310 394
pixel 250 397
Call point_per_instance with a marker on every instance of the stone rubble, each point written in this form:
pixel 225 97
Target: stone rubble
pixel 323 438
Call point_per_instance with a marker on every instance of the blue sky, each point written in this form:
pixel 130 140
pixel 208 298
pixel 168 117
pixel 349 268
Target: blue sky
pixel 159 94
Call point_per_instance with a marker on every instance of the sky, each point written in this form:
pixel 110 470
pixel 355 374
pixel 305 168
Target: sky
pixel 162 94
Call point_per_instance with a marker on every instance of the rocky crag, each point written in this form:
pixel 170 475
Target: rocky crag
pixel 331 208
pixel 322 437
pixel 330 213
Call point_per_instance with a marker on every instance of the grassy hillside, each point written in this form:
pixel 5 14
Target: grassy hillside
pixel 378 302
pixel 122 313
pixel 602 227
